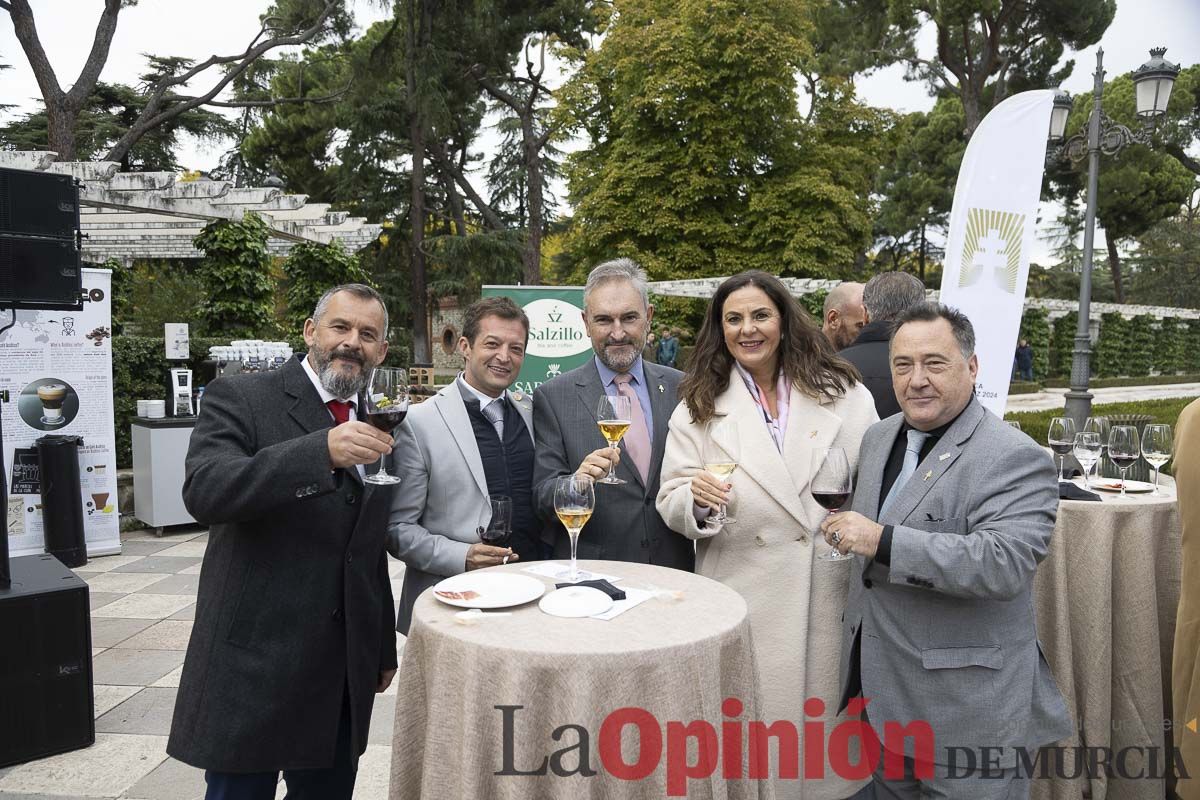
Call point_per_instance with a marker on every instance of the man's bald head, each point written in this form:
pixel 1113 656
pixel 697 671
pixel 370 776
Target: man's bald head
pixel 843 316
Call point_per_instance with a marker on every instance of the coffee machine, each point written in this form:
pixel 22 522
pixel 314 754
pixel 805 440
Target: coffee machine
pixel 181 392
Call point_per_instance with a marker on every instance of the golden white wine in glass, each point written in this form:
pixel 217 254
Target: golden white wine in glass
pixel 719 462
pixel 614 415
pixel 574 502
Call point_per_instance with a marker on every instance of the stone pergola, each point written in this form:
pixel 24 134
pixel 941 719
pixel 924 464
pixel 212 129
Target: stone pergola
pixel 704 287
pixel 156 214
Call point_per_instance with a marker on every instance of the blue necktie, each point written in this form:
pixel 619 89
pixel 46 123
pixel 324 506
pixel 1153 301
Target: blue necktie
pixel 912 455
pixel 494 411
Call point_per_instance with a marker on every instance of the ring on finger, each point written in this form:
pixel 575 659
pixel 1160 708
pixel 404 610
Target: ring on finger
pixel 836 539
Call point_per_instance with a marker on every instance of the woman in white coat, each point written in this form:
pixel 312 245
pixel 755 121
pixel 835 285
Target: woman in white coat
pixel 773 390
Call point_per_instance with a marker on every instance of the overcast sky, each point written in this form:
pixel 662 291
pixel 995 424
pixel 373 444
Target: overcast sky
pixel 199 29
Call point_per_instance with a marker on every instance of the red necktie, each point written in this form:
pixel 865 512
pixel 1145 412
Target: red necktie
pixel 340 410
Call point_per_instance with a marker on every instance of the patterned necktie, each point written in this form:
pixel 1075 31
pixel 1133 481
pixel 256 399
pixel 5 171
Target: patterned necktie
pixel 912 454
pixel 340 410
pixel 494 411
pixel 637 439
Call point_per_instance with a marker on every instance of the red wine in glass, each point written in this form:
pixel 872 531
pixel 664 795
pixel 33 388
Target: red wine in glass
pixel 831 501
pixel 387 419
pixel 1123 462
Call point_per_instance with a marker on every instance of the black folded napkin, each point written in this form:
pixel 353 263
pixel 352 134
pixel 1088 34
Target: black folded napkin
pixel 1069 491
pixel 602 585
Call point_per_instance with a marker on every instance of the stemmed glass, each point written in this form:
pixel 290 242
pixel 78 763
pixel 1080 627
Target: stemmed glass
pixel 1156 448
pixel 830 487
pixel 720 463
pixel 1061 438
pixel 614 415
pixel 1123 449
pixel 574 502
pixel 386 406
pixel 1087 453
pixel 499 527
pixel 1099 425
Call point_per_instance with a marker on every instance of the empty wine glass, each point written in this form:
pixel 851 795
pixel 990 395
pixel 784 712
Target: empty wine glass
pixel 830 486
pixel 574 502
pixel 1061 438
pixel 1087 453
pixel 1123 449
pixel 1101 426
pixel 1156 448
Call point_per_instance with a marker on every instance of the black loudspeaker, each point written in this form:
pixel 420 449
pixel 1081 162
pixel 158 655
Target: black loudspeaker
pixel 45 662
pixel 39 250
pixel 43 204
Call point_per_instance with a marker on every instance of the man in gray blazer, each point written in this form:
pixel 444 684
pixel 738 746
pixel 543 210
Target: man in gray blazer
pixel 294 632
pixel 952 514
pixel 472 440
pixel 625 526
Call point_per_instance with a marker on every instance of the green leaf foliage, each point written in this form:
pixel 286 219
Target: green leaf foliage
pixel 1111 351
pixel 1035 328
pixel 1062 343
pixel 235 272
pixel 698 162
pixel 310 270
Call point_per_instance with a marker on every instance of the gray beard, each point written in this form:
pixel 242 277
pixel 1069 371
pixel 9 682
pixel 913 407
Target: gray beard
pixel 618 363
pixel 334 380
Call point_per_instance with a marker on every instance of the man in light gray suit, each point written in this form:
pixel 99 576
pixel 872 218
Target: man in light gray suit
pixel 952 514
pixel 471 441
pixel 625 526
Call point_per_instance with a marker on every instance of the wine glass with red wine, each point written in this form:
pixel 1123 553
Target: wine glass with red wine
pixel 387 405
pixel 1061 438
pixel 499 528
pixel 830 487
pixel 1123 449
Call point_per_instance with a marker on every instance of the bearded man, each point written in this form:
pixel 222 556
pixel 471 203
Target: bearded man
pixel 295 629
pixel 625 526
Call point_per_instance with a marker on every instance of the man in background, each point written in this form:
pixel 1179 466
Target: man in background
pixel 843 316
pixel 885 297
pixel 668 348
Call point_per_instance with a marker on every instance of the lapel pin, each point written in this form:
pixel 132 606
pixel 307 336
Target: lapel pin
pixel 518 396
pixel 812 435
pixel 661 389
pixel 943 456
pixel 928 474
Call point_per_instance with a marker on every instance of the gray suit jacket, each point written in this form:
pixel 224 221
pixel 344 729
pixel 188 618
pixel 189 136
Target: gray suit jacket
pixel 441 505
pixel 948 632
pixel 295 604
pixel 625 526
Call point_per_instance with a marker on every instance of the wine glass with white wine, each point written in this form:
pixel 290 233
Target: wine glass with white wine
pixel 574 502
pixel 614 415
pixel 720 461
pixel 1156 448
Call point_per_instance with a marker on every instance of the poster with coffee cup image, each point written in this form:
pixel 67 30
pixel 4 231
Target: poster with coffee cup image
pixel 48 404
pixel 57 369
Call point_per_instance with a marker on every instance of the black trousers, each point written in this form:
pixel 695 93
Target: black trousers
pixel 331 783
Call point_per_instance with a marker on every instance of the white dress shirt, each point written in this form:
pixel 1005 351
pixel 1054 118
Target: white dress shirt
pixel 326 396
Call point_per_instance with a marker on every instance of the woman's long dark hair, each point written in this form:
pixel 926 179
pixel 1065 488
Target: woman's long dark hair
pixel 807 358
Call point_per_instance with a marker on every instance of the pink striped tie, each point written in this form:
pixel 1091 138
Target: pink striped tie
pixel 637 439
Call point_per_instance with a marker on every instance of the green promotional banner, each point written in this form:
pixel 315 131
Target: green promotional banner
pixel 558 340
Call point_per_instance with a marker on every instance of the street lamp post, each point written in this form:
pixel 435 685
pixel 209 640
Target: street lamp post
pixel 1152 82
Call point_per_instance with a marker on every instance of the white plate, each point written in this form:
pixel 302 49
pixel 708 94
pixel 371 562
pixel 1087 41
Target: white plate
pixel 492 589
pixel 1114 485
pixel 576 601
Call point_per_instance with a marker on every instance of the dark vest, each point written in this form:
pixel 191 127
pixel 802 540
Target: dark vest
pixel 508 467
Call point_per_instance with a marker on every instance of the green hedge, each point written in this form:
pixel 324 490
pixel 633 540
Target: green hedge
pixel 1062 342
pixel 1037 423
pixel 1108 383
pixel 1024 387
pixel 1035 328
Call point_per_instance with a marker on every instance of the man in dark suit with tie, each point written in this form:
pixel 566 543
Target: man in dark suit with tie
pixel 294 630
pixel 625 526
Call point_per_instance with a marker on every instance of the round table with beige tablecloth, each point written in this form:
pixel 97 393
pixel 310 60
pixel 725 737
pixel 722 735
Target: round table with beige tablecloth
pixel 676 657
pixel 1106 598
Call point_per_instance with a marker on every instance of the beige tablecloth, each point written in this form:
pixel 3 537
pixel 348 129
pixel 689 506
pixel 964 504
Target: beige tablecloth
pixel 1106 599
pixel 676 658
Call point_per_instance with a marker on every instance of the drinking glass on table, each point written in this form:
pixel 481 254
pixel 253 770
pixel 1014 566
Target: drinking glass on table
pixel 1101 426
pixel 1087 453
pixel 614 415
pixel 1123 449
pixel 1061 438
pixel 386 407
pixel 1156 448
pixel 574 502
pixel 499 528
pixel 830 487
pixel 720 461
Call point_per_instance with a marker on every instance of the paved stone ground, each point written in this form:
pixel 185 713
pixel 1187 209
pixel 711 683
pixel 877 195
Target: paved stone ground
pixel 1053 398
pixel 143 602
